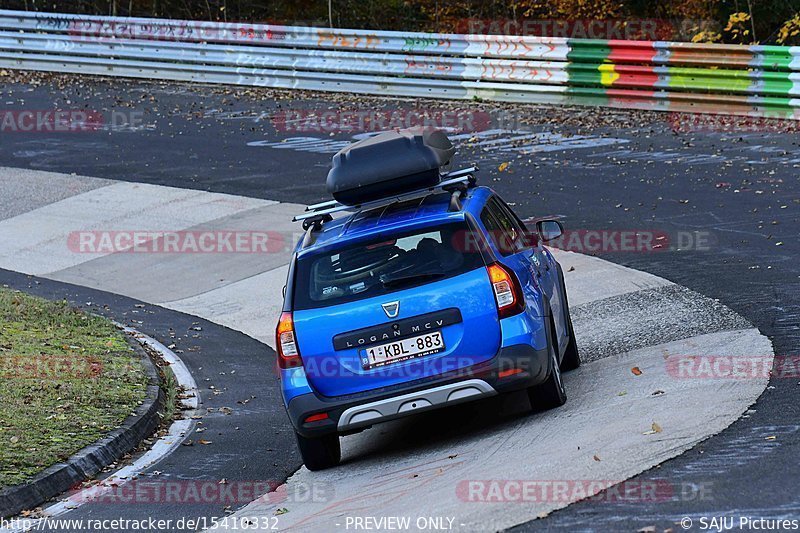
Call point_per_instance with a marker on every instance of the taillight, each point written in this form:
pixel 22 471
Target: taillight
pixel 286 341
pixel 507 291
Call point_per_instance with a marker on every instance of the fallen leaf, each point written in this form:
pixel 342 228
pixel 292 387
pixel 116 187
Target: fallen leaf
pixel 636 371
pixel 282 510
pixel 596 458
pixel 570 269
pixel 204 441
pixel 771 437
pixel 503 166
pixel 654 428
pixel 658 392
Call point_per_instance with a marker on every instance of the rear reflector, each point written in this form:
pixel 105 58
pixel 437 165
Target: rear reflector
pixel 317 417
pixel 509 372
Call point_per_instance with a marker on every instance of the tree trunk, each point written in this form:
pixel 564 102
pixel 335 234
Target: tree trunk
pixel 752 22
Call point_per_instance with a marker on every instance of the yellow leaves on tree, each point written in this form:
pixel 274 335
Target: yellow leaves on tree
pixel 738 28
pixel 789 32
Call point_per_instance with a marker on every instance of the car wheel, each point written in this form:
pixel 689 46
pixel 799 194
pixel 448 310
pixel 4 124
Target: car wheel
pixel 320 453
pixel 551 393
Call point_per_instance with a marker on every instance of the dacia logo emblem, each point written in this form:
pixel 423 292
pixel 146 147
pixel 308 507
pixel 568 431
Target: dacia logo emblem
pixel 392 309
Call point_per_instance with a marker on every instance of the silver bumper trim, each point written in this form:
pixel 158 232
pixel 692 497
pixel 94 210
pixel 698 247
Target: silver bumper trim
pixel 370 413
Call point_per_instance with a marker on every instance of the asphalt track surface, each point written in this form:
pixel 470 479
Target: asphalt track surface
pixel 739 187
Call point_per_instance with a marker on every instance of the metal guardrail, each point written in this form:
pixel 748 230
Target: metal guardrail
pixel 752 80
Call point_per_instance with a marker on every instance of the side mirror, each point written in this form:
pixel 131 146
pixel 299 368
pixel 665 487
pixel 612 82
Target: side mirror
pixel 549 229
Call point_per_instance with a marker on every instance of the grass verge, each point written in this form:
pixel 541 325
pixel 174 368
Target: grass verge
pixel 66 379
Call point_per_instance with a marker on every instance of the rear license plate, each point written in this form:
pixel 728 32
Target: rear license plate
pixel 402 350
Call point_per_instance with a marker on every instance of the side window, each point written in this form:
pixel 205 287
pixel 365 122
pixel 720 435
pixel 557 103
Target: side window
pixel 526 239
pixel 503 228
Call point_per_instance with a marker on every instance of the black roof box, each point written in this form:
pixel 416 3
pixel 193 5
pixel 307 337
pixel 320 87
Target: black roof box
pixel 390 163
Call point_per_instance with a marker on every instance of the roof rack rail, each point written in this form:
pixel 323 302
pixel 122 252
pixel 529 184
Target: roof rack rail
pixel 455 182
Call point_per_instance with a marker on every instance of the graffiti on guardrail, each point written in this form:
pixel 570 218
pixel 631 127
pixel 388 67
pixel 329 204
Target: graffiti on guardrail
pixel 421 44
pixel 652 74
pixel 417 65
pixel 97 29
pixel 347 41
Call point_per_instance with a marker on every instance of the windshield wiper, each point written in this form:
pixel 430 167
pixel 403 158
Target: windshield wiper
pixel 389 281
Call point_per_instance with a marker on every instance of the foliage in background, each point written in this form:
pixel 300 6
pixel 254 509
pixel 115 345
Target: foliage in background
pixel 730 21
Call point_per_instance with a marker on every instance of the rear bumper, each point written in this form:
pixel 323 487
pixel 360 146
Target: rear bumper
pixel 513 368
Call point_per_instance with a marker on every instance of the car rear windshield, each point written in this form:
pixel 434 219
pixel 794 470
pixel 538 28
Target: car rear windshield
pixel 385 265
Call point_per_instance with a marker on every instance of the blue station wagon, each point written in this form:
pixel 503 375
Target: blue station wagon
pixel 418 301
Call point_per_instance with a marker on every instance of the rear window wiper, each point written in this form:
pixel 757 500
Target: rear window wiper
pixel 389 281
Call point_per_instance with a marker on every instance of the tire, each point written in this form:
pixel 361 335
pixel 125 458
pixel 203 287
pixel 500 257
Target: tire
pixel 572 358
pixel 320 453
pixel 551 393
